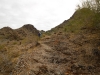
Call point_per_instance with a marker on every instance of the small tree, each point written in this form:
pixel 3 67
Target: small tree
pixel 98 5
pixel 92 5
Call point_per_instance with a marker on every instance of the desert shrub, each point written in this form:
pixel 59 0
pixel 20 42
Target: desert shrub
pixel 14 54
pixel 94 6
pixel 91 4
pixel 1 47
pixel 14 43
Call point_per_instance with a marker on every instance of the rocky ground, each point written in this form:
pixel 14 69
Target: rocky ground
pixel 62 54
pixel 58 54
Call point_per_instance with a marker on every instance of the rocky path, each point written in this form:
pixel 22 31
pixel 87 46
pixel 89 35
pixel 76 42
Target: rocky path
pixel 42 61
pixel 59 59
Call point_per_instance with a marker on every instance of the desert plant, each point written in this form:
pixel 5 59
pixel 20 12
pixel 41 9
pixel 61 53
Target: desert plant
pixel 91 4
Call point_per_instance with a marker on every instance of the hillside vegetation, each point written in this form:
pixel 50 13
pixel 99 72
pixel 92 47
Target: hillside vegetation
pixel 86 17
pixel 83 20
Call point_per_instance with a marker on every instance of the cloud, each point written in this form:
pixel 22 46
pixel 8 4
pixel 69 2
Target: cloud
pixel 43 14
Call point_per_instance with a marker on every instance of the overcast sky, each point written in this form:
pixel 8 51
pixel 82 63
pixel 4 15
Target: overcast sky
pixel 43 14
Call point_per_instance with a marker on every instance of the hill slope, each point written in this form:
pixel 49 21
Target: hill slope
pixel 79 35
pixel 13 44
pixel 72 48
pixel 83 20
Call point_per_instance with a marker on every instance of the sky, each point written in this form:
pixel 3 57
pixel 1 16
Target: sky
pixel 43 14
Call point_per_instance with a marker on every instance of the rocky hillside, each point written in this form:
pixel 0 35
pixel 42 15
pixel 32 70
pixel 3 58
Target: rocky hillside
pixel 82 21
pixel 13 44
pixel 78 39
pixel 78 53
pixel 72 48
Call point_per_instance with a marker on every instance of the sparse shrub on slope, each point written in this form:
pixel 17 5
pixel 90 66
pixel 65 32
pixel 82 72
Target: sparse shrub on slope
pixel 93 5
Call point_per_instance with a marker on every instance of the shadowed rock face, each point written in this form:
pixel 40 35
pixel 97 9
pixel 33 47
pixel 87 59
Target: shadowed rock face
pixel 31 28
pixel 17 34
pixel 8 33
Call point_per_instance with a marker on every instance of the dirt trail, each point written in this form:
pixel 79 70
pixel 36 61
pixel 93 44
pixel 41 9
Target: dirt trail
pixel 45 46
pixel 42 61
pixel 49 58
